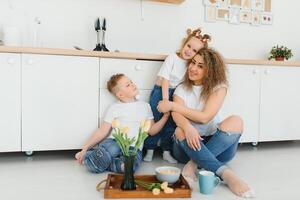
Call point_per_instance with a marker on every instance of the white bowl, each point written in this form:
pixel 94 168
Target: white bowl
pixel 167 173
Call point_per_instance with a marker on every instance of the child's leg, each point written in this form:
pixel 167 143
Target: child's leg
pixel 98 160
pixel 167 140
pixel 167 135
pixel 151 141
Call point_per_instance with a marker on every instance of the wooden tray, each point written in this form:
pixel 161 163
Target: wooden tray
pixel 112 188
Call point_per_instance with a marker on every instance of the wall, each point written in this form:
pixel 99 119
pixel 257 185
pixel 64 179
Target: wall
pixel 159 29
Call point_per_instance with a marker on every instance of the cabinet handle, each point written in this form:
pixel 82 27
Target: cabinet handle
pixel 255 71
pixel 267 72
pixel 11 61
pixel 29 61
pixel 138 68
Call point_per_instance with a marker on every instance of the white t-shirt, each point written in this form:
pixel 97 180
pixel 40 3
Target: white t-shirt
pixel 193 100
pixel 173 69
pixel 130 115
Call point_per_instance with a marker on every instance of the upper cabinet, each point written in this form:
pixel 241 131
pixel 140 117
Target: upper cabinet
pixel 170 1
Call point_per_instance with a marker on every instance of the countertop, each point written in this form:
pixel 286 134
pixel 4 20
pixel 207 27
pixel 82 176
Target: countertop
pixel 128 55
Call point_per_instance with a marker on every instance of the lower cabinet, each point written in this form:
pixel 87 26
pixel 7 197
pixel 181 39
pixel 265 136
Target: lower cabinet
pixel 10 102
pixel 50 102
pixel 280 104
pixel 243 98
pixel 59 101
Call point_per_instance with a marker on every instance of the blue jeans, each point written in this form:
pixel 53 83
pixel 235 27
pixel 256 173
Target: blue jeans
pixel 107 156
pixel 166 133
pixel 215 152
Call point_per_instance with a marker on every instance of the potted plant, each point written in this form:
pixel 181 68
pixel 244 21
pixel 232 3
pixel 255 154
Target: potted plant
pixel 280 53
pixel 120 135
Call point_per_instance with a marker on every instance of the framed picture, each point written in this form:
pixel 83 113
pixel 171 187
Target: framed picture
pixel 246 17
pixel 267 6
pixel 223 3
pixel 266 18
pixel 222 14
pixel 210 2
pixel 255 18
pixel 257 5
pixel 210 13
pixel 246 4
pixel 234 15
pixel 235 3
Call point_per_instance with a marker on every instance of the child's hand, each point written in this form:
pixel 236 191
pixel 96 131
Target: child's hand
pixel 167 115
pixel 164 106
pixel 80 155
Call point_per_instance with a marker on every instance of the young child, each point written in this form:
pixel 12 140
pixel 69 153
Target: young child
pixel 101 153
pixel 170 75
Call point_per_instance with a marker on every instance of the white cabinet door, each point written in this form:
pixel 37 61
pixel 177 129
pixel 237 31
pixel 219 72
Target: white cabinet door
pixel 59 101
pixel 10 105
pixel 280 104
pixel 243 99
pixel 142 72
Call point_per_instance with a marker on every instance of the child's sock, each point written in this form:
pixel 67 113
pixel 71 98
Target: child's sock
pixel 149 155
pixel 167 156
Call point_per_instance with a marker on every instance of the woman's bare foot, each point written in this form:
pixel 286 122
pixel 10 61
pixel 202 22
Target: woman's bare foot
pixel 189 170
pixel 237 185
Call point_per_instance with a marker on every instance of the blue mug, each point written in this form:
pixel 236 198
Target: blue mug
pixel 207 182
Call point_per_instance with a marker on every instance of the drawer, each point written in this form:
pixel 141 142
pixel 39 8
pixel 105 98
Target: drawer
pixel 106 99
pixel 143 73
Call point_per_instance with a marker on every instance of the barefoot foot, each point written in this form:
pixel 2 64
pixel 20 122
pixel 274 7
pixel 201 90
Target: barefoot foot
pixel 237 185
pixel 189 170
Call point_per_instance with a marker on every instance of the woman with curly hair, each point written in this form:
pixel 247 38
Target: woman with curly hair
pixel 202 139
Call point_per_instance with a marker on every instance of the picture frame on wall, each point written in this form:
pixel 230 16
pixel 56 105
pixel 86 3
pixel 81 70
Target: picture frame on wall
pixel 246 4
pixel 223 3
pixel 256 18
pixel 210 13
pixel 257 5
pixel 235 3
pixel 234 15
pixel 210 2
pixel 222 14
pixel 267 5
pixel 246 17
pixel 266 18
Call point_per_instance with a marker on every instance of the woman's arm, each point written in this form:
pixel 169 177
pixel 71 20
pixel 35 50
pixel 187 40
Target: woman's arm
pixel 211 108
pixel 165 89
pixel 191 134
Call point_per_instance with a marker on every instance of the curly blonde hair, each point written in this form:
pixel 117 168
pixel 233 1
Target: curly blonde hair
pixel 215 72
pixel 205 38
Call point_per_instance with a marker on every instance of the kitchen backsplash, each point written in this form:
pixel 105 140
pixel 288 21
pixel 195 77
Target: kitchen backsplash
pixel 144 26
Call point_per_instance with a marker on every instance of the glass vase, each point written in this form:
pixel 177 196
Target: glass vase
pixel 128 181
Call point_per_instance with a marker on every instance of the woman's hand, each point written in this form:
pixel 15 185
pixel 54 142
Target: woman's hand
pixel 164 106
pixel 80 155
pixel 193 138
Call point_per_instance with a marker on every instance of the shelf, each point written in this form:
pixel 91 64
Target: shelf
pixel 170 1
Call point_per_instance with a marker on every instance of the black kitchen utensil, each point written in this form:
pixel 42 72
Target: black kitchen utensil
pixel 103 46
pixel 98 30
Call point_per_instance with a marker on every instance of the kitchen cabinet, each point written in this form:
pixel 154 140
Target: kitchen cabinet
pixel 280 103
pixel 243 98
pixel 59 101
pixel 10 102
